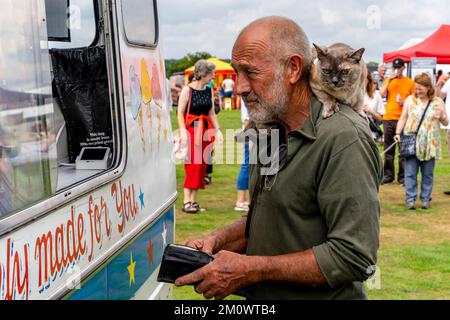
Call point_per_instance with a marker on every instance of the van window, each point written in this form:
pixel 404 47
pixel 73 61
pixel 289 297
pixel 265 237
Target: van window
pixel 58 20
pixel 70 24
pixel 81 97
pixel 54 103
pixel 28 170
pixel 140 22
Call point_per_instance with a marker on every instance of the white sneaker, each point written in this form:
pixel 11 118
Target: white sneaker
pixel 241 207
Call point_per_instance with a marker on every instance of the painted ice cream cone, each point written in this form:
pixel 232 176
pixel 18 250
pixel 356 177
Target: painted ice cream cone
pixel 150 123
pixel 140 121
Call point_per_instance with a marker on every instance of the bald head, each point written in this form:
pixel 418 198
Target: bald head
pixel 284 36
pixel 272 59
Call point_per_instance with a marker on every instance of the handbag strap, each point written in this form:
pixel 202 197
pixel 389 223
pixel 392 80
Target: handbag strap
pixel 254 199
pixel 423 116
pixel 189 105
pixel 257 188
pixel 188 109
pixel 259 180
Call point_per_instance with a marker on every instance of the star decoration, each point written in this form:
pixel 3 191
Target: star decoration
pixel 141 199
pixel 131 270
pixel 150 252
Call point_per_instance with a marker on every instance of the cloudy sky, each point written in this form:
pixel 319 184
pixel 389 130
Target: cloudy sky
pixel 378 26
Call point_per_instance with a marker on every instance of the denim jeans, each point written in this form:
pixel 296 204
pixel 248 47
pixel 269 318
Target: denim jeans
pixel 243 179
pixel 411 171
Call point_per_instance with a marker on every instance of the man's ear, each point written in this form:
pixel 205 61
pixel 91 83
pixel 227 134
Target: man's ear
pixel 357 55
pixel 320 52
pixel 295 69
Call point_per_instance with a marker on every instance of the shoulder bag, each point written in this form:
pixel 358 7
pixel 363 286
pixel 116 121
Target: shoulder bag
pixel 181 149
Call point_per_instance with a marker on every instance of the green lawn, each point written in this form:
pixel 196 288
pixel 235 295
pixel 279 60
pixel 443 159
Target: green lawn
pixel 414 258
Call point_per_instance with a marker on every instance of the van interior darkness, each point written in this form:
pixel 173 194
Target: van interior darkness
pixel 80 90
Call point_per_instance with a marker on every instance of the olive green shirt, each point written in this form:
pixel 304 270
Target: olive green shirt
pixel 324 198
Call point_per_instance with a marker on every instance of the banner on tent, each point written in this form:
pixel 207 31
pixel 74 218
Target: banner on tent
pixel 424 65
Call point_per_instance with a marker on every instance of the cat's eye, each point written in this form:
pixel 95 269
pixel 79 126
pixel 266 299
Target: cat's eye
pixel 326 71
pixel 345 71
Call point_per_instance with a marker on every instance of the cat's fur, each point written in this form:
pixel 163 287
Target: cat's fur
pixel 338 75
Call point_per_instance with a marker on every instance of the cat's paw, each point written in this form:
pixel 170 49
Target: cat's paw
pixel 329 109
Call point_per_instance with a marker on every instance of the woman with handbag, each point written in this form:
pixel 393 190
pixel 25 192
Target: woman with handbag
pixel 198 128
pixel 420 123
pixel 374 108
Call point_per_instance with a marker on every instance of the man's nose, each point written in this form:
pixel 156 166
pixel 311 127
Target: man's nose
pixel 242 85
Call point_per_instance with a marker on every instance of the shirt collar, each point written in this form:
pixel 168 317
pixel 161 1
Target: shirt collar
pixel 309 127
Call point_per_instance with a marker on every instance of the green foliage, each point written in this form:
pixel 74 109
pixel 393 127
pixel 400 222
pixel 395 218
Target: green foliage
pixel 174 66
pixel 372 66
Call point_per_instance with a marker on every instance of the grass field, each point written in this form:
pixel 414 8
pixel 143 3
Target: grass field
pixel 414 258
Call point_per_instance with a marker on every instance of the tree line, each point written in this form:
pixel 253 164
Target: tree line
pixel 174 66
pixel 179 65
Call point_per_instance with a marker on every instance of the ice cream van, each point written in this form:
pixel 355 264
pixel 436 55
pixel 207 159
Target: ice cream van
pixel 87 181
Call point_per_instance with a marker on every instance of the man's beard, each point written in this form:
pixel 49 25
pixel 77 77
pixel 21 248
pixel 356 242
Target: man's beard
pixel 269 111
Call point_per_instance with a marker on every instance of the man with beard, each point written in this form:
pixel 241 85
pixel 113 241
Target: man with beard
pixel 313 227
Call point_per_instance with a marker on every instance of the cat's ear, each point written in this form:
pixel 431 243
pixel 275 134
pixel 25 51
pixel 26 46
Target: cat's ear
pixel 320 52
pixel 358 54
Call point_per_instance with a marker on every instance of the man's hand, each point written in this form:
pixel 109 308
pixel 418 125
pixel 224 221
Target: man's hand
pixel 394 75
pixel 226 274
pixel 207 244
pixel 442 80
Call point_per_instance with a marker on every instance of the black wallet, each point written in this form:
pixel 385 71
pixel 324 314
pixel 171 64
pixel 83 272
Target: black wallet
pixel 179 260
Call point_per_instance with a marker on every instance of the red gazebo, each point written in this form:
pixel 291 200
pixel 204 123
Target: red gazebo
pixel 435 46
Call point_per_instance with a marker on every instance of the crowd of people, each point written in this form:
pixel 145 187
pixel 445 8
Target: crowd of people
pixel 393 106
pixel 336 215
pixel 405 104
pixel 262 253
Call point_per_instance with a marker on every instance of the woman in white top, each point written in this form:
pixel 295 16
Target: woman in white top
pixel 373 105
